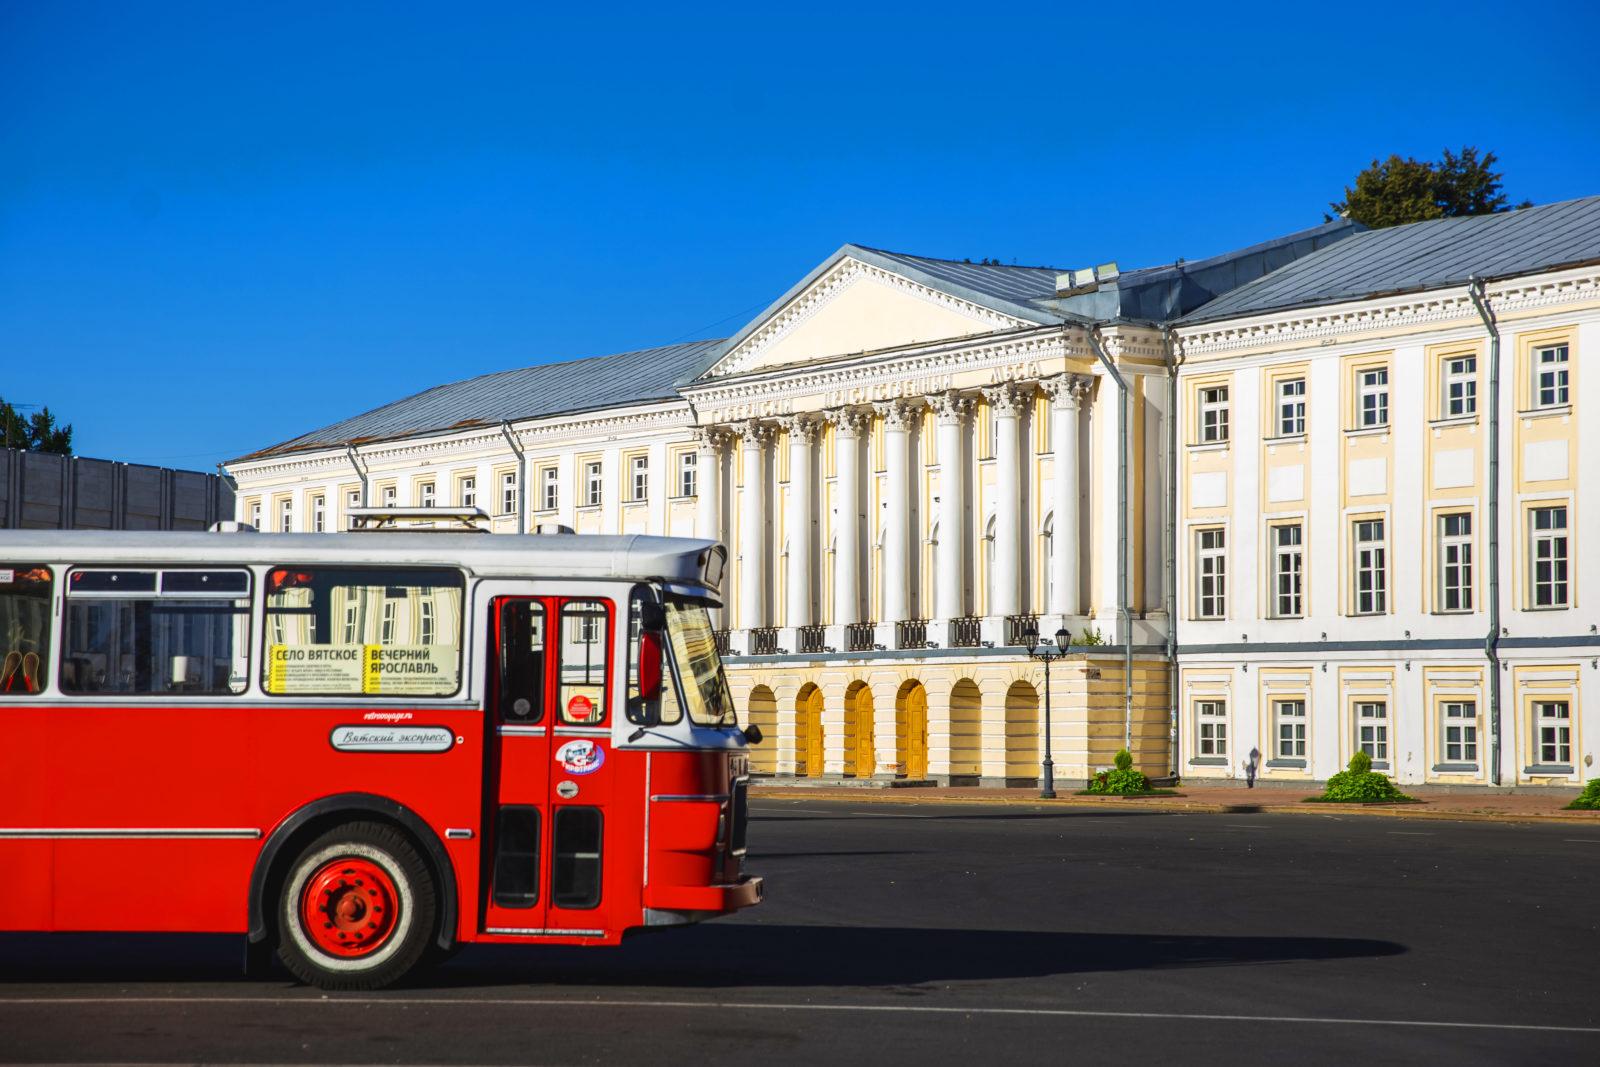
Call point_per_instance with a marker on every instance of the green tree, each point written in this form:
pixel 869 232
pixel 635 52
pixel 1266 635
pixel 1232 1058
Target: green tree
pixel 1397 191
pixel 38 432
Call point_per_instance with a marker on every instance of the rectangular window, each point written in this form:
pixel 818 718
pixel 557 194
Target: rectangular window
pixel 426 495
pixel 639 466
pixel 468 490
pixel 391 496
pixel 255 514
pixel 1211 727
pixel 520 693
pixel 1455 562
pixel 1372 729
pixel 147 633
pixel 1291 717
pixel 549 489
pixel 516 857
pixel 1211 572
pixel 508 493
pixel 285 516
pixel 1461 731
pixel 575 857
pixel 400 633
pixel 1291 407
pixel 1372 397
pixel 1550 383
pixel 1460 387
pixel 352 499
pixel 1287 558
pixel 1549 557
pixel 688 468
pixel 319 514
pixel 592 484
pixel 581 696
pixel 1371 568
pixel 1214 414
pixel 25 591
pixel 1553 721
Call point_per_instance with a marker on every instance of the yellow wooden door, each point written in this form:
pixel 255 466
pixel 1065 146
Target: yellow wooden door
pixel 864 762
pixel 811 736
pixel 911 726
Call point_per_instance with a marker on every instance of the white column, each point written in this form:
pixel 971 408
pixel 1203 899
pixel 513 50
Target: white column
pixel 1005 406
pixel 951 572
pixel 897 416
pixel 1067 392
pixel 802 431
pixel 849 425
pixel 708 441
pixel 753 526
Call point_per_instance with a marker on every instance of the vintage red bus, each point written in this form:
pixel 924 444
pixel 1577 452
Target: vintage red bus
pixel 364 749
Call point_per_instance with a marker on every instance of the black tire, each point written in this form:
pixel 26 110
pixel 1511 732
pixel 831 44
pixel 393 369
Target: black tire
pixel 414 922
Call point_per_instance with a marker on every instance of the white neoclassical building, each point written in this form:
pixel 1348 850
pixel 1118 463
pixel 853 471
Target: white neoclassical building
pixel 914 462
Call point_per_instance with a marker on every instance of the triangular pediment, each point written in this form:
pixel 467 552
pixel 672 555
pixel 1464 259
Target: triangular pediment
pixel 852 304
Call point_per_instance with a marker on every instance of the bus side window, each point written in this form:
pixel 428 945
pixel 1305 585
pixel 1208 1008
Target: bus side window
pixel 585 638
pixel 521 690
pixel 24 628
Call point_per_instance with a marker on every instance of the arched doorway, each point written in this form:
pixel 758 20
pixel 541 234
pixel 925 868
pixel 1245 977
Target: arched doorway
pixel 859 759
pixel 911 730
pixel 966 729
pixel 763 715
pixel 808 735
pixel 1022 731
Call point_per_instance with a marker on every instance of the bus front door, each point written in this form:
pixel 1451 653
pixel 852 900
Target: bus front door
pixel 515 829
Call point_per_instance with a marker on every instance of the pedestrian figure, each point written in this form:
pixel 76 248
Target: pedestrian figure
pixel 1250 768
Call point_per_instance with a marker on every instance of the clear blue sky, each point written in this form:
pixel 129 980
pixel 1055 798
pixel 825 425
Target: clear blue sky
pixel 225 224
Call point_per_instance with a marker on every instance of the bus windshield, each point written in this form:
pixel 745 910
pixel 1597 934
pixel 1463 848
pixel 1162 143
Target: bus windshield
pixel 694 650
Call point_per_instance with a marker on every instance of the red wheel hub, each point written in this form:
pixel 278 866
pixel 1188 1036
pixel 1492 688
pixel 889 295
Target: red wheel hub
pixel 349 907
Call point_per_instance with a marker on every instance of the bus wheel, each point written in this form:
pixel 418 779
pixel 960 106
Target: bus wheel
pixel 357 910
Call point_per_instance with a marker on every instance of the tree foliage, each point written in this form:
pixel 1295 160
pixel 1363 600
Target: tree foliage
pixel 38 432
pixel 1397 191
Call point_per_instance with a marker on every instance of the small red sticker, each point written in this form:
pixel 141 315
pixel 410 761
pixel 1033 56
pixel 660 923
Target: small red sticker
pixel 580 708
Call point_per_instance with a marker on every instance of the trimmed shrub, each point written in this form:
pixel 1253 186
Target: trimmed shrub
pixel 1589 799
pixel 1120 782
pixel 1123 760
pixel 1360 783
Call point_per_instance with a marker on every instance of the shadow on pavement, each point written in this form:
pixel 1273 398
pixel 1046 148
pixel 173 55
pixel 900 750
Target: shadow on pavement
pixel 711 956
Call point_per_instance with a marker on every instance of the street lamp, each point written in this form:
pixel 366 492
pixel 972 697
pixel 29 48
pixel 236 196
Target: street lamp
pixel 1045 653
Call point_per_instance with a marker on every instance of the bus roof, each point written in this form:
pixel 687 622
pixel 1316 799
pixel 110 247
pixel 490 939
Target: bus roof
pixel 635 556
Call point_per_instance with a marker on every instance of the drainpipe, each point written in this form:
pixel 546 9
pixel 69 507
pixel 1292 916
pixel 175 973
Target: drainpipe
pixel 361 472
pixel 1171 568
pixel 1123 577
pixel 1491 643
pixel 522 477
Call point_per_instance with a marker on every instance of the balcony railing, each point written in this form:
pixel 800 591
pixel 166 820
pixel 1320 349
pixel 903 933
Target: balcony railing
pixel 966 632
pixel 1018 626
pixel 911 633
pixel 721 638
pixel 858 637
pixel 811 639
pixel 764 641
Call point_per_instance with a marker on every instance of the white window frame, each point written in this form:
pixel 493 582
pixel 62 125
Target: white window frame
pixel 390 495
pixel 1551 546
pixel 286 515
pixel 1291 394
pixel 1211 573
pixel 255 514
pixel 593 483
pixel 1288 562
pixel 1372 730
pixel 1370 564
pixel 427 494
pixel 1289 734
pixel 1372 384
pixel 1552 733
pixel 1454 576
pixel 1458 732
pixel 1213 414
pixel 319 513
pixel 549 488
pixel 1552 377
pixel 639 478
pixel 508 492
pixel 1458 390
pixel 1211 728
pixel 688 473
pixel 468 488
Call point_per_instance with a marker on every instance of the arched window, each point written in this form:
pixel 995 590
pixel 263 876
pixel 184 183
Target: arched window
pixel 1047 555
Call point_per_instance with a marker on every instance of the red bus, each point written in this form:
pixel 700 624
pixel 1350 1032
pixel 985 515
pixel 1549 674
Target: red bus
pixel 364 749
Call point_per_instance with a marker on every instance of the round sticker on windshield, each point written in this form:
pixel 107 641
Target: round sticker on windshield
pixel 581 757
pixel 580 709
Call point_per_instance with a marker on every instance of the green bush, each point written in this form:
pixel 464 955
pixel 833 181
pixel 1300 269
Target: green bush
pixel 1123 760
pixel 1120 782
pixel 1361 783
pixel 1589 799
pixel 1090 637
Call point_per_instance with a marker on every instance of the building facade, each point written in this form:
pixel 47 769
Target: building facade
pixel 916 462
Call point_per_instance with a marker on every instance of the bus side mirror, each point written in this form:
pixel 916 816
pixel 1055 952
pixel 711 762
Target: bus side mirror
pixel 650 667
pixel 652 616
pixel 752 734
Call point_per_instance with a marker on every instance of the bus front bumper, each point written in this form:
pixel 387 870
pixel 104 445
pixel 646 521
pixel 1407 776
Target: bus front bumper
pixel 708 900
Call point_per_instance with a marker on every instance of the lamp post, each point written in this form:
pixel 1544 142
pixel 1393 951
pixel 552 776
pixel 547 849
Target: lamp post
pixel 1046 653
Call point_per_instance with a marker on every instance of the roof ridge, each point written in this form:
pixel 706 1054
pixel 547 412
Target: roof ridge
pixel 952 262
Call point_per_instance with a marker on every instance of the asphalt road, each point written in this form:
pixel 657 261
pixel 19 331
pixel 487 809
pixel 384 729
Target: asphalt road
pixel 932 933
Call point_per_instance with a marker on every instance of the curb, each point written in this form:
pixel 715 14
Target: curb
pixel 1179 805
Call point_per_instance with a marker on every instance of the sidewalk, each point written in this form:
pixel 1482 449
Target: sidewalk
pixel 1487 807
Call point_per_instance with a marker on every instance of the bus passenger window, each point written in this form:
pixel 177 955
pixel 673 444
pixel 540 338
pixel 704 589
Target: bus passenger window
pixel 584 633
pixel 24 628
pixel 521 689
pixel 575 874
pixel 663 708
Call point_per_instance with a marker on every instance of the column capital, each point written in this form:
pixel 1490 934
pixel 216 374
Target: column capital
pixel 711 438
pixel 801 428
pixel 1008 398
pixel 1066 391
pixel 896 414
pixel 755 432
pixel 950 407
pixel 847 422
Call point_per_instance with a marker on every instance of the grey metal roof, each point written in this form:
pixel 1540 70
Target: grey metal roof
pixel 548 389
pixel 1423 255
